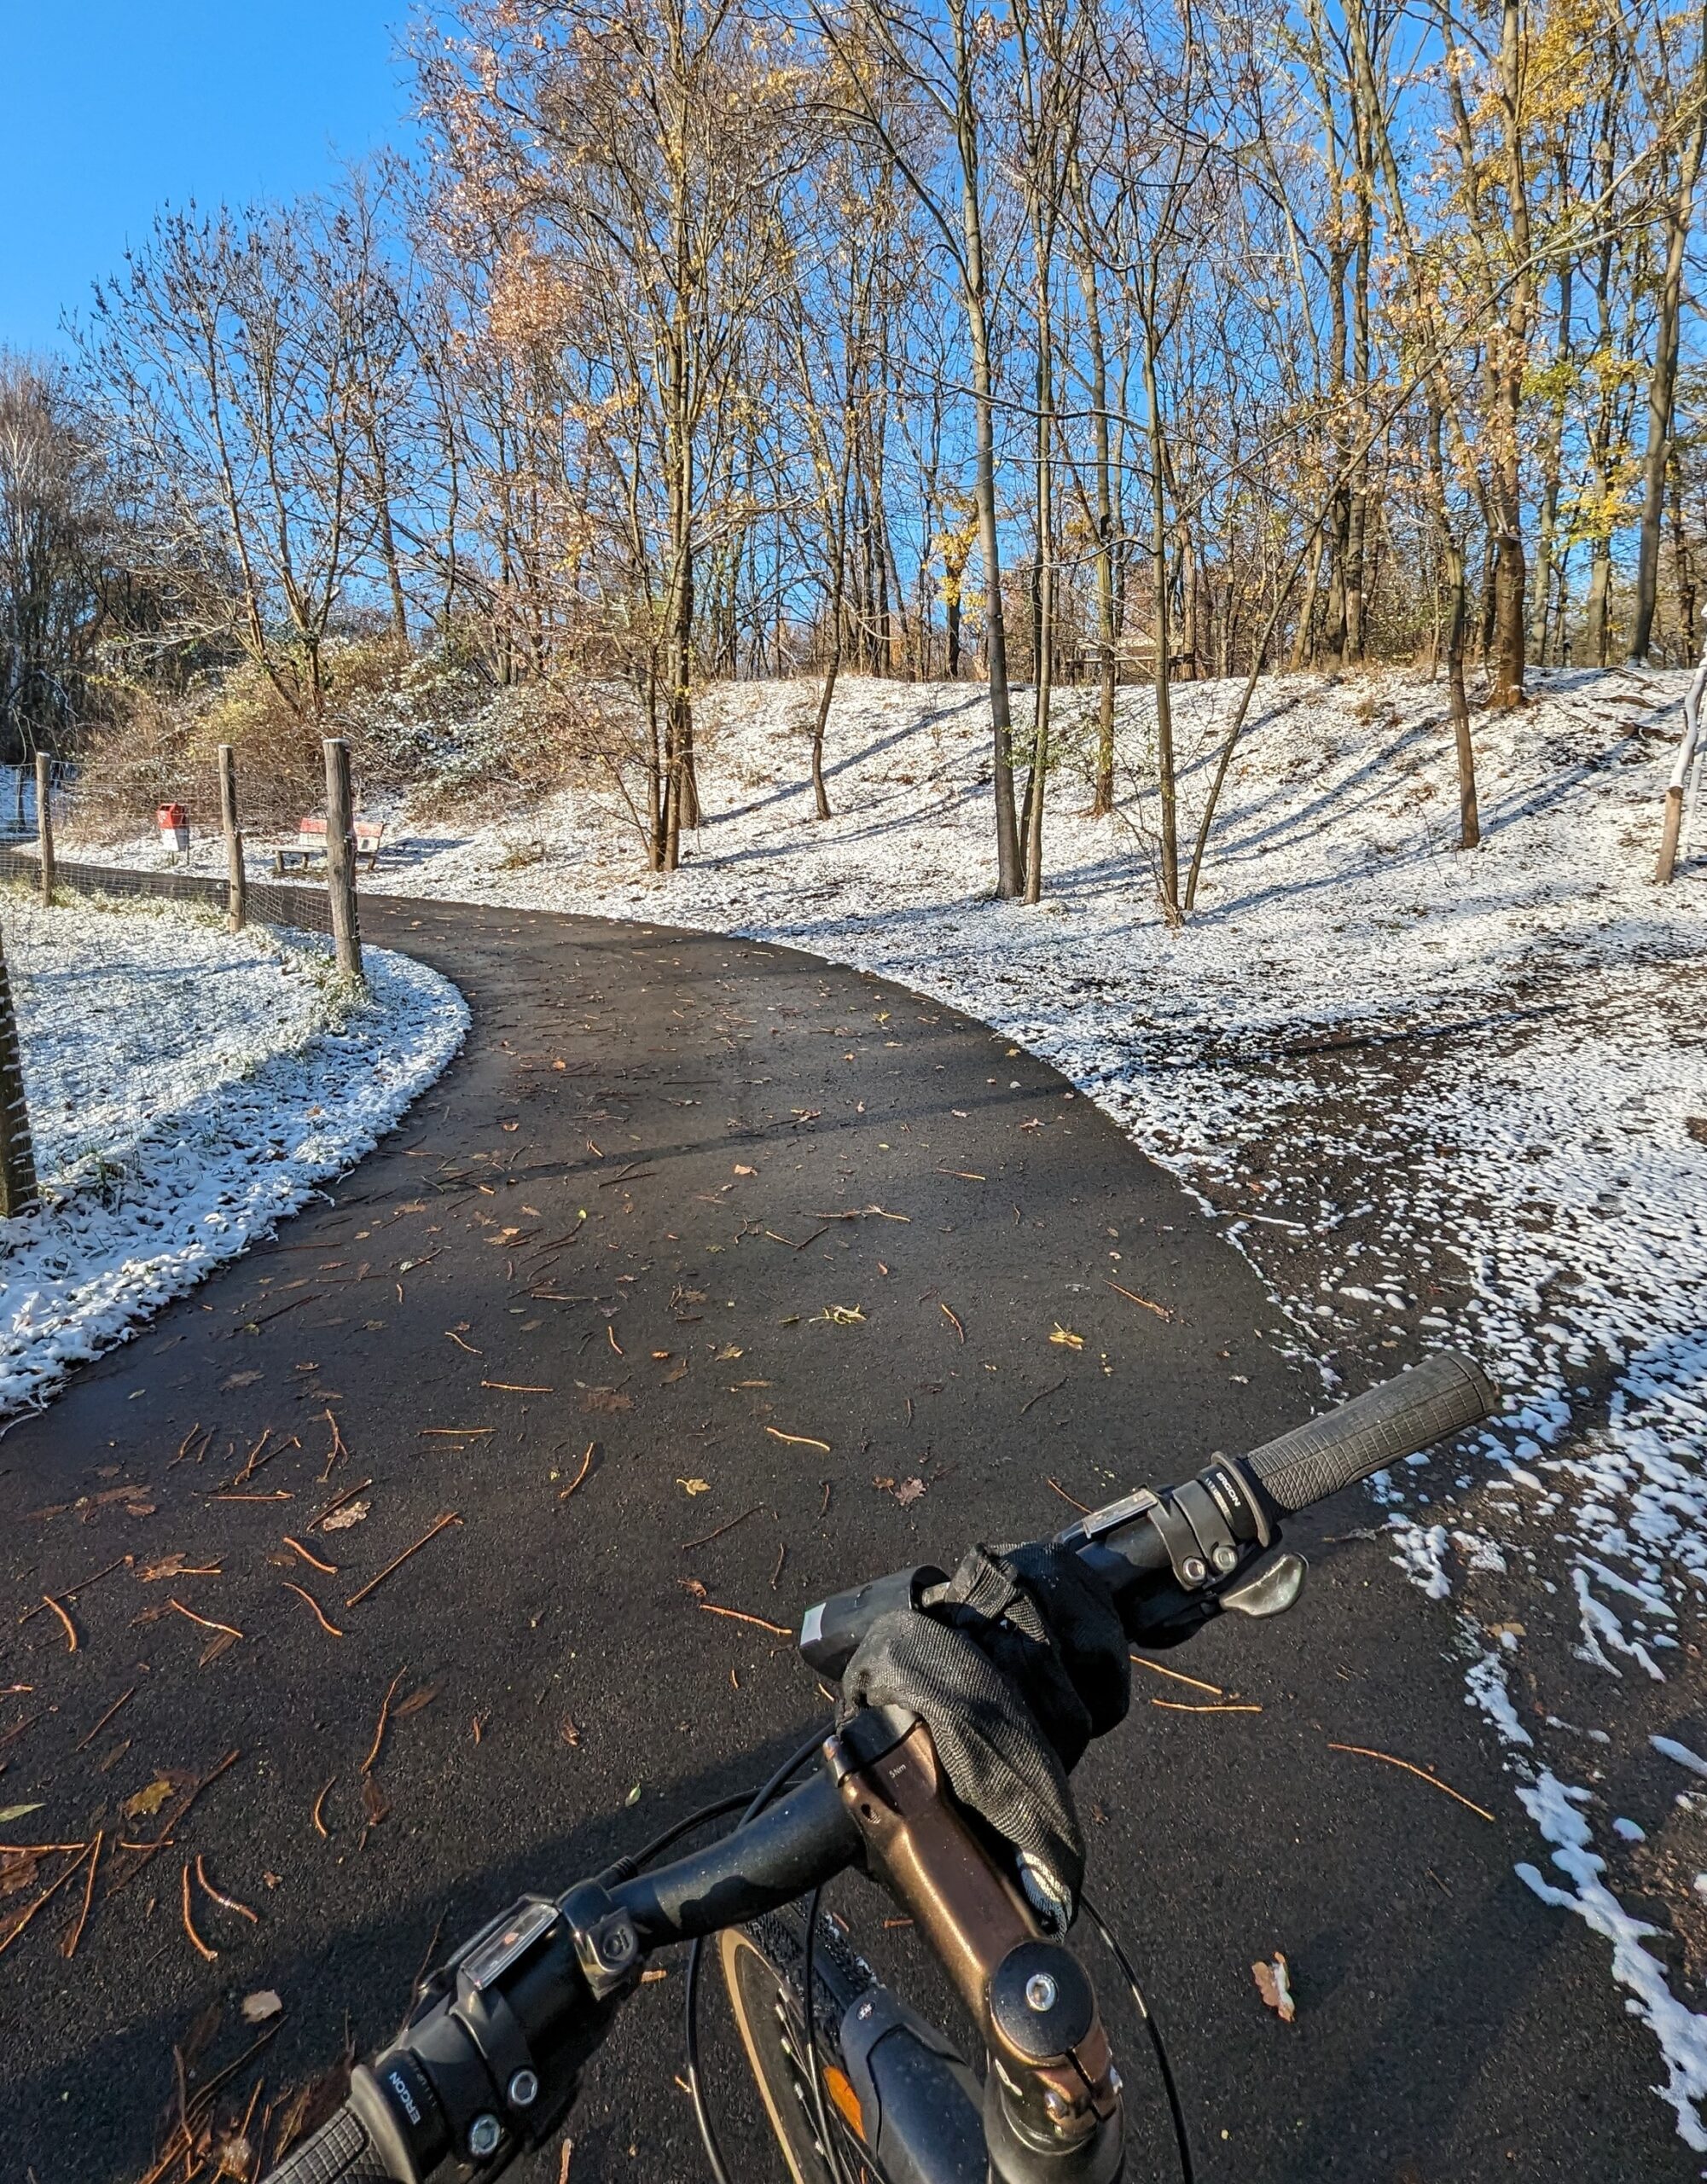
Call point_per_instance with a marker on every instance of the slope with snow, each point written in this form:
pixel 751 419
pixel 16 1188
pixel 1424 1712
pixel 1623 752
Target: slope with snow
pixel 187 1089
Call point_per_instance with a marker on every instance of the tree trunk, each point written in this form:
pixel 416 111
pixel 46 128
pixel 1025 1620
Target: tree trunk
pixel 1663 384
pixel 1160 579
pixel 1507 360
pixel 1008 877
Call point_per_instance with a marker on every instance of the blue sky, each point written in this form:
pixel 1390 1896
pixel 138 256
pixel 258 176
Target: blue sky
pixel 113 106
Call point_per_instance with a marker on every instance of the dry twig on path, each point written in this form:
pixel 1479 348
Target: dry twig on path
pixel 1364 1751
pixel 737 1615
pixel 189 1924
pixel 384 1716
pixel 330 1629
pixel 450 1517
pixel 1148 1303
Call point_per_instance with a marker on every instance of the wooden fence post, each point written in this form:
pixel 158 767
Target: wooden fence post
pixel 341 858
pixel 18 1192
pixel 1671 823
pixel 236 880
pixel 45 821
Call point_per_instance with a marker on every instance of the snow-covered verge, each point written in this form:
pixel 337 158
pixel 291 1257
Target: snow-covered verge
pixel 1434 1096
pixel 187 1089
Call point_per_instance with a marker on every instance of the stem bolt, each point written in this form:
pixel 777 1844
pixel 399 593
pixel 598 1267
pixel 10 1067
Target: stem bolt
pixel 1040 1992
pixel 1194 1571
pixel 484 2134
pixel 524 2090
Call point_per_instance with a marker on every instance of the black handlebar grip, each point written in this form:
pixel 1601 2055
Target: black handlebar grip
pixel 1440 1396
pixel 340 2152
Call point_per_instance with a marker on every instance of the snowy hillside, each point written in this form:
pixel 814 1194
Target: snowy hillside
pixel 187 1088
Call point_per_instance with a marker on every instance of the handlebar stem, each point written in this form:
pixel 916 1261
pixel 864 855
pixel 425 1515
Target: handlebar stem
pixel 1053 2095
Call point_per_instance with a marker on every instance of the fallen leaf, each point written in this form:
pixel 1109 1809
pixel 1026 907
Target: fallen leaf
pixel 633 1797
pixel 17 1812
pixel 260 2005
pixel 415 1702
pixel 373 1800
pixel 909 1491
pixel 1066 1338
pixel 692 1486
pixel 1274 1984
pixel 688 1584
pixel 728 1350
pixel 340 1520
pixel 569 1731
pixel 605 1399
pixel 241 1379
pixel 746 1171
pixel 147 1801
pixel 175 1565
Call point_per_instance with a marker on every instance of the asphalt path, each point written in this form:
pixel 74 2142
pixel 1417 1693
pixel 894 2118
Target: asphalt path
pixel 827 1279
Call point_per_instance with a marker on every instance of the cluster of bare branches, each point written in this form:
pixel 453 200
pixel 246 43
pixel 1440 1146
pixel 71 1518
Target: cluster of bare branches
pixel 1087 342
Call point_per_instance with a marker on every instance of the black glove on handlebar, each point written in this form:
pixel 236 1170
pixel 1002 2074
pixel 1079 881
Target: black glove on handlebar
pixel 1013 1665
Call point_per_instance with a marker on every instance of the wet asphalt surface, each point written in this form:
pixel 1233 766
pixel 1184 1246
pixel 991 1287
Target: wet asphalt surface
pixel 782 1245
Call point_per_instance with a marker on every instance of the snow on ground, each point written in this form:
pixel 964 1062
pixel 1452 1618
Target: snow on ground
pixel 187 1088
pixel 1433 1096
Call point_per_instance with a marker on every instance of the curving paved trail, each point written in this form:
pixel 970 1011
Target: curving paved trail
pixel 729 1117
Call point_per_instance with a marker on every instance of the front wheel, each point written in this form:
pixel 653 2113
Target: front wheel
pixel 764 1965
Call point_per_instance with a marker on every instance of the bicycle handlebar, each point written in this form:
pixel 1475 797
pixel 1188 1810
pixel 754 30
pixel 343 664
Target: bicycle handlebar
pixel 501 2030
pixel 1441 1397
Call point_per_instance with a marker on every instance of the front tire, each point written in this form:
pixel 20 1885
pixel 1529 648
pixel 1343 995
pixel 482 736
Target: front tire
pixel 764 1965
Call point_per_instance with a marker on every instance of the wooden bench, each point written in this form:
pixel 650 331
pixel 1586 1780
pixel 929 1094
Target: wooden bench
pixel 311 844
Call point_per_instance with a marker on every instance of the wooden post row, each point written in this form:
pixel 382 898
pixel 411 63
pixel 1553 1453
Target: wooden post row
pixel 17 1155
pixel 341 858
pixel 236 880
pixel 45 821
pixel 1671 823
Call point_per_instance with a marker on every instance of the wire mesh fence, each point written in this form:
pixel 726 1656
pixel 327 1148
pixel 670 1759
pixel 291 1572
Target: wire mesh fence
pixel 18 797
pixel 119 805
pixel 306 908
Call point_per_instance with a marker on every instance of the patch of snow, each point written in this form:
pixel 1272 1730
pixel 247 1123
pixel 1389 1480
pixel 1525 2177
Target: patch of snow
pixel 1668 1748
pixel 187 1089
pixel 1487 1686
pixel 1682 2035
pixel 1422 1556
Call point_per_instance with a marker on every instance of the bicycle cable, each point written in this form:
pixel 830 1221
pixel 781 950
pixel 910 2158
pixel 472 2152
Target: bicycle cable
pixel 702 2114
pixel 626 1868
pixel 1182 2142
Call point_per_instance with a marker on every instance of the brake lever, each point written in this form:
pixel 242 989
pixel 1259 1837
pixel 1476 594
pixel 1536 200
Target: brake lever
pixel 1270 1587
